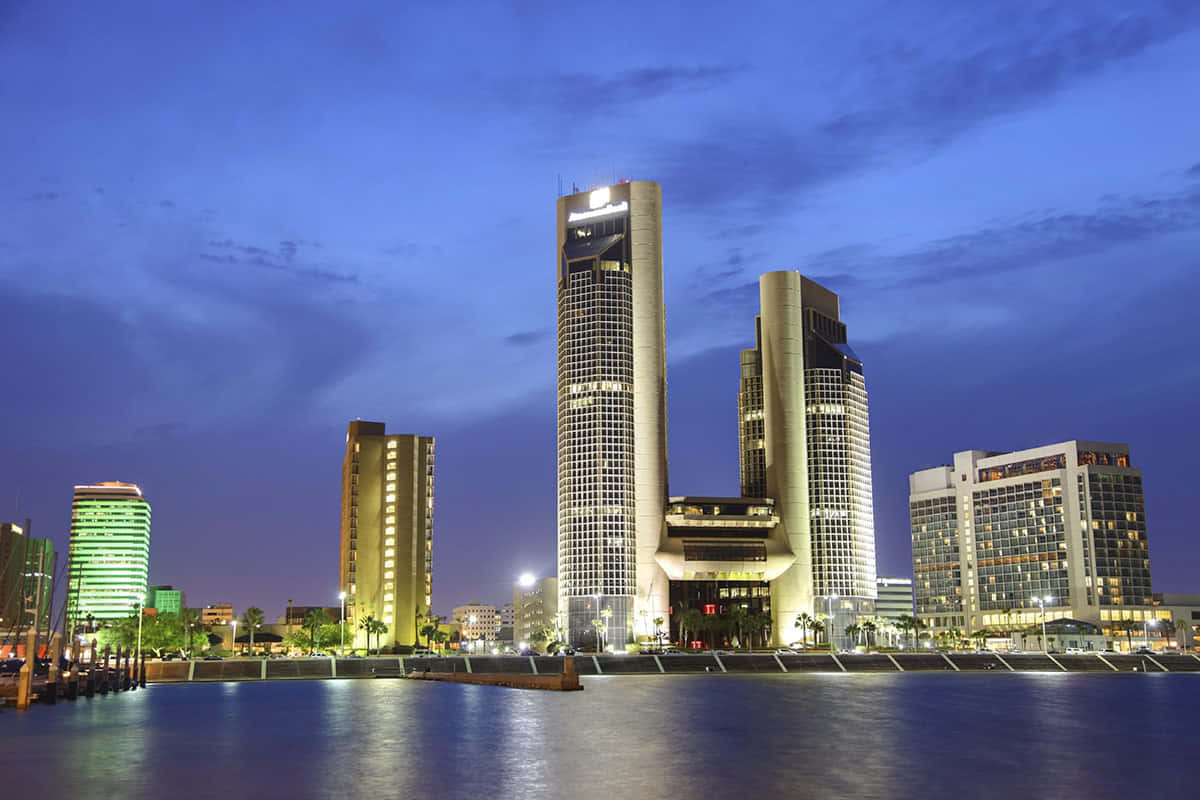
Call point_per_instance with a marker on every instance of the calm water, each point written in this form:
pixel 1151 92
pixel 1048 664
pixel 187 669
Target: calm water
pixel 932 735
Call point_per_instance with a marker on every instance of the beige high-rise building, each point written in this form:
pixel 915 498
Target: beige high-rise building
pixel 386 560
pixel 612 410
pixel 1002 540
pixel 535 609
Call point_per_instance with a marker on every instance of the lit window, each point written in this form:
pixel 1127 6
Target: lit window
pixel 391 487
pixel 388 596
pixel 389 520
pixel 354 588
pixel 389 531
pixel 391 498
pixel 387 619
pixel 389 563
pixel 390 552
pixel 391 476
pixel 389 542
pixel 392 444
pixel 387 575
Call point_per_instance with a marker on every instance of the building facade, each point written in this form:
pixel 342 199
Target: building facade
pixel 612 410
pixel 166 599
pixel 535 611
pixel 804 442
pixel 26 582
pixel 894 598
pixel 1185 617
pixel 478 621
pixel 386 555
pixel 994 532
pixel 217 614
pixel 109 556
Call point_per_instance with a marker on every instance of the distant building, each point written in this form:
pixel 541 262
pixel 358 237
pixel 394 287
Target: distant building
pixel 386 554
pixel 1185 614
pixel 26 582
pixel 535 608
pixel 994 532
pixel 294 616
pixel 478 621
pixel 895 598
pixel 218 614
pixel 109 558
pixel 165 599
pixel 1061 634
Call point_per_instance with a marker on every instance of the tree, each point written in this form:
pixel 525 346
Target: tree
pixel 601 629
pixel 868 627
pixel 690 621
pixel 252 617
pixel 804 622
pixel 761 622
pixel 737 618
pixel 373 627
pixel 853 630
pixel 818 627
pixel 312 623
pixel 658 630
pixel 432 621
pixel 330 636
pixel 195 636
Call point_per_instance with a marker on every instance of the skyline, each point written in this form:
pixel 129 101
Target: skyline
pixel 217 258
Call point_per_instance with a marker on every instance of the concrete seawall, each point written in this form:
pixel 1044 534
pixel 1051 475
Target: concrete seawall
pixel 585 665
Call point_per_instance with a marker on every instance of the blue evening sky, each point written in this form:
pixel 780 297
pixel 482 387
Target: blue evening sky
pixel 227 230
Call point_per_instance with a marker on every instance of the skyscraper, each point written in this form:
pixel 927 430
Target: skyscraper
pixel 386 558
pixel 612 410
pixel 994 533
pixel 804 441
pixel 109 558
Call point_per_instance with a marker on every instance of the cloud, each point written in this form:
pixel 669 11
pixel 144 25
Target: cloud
pixel 561 93
pixel 165 204
pixel 261 257
pixel 527 338
pixel 1194 171
pixel 908 100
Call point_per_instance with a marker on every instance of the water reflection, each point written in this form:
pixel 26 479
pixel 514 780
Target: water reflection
pixel 883 735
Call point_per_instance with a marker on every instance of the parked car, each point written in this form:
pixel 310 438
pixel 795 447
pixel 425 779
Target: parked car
pixel 173 657
pixel 527 652
pixel 318 654
pixel 423 652
pixel 565 651
pixel 785 651
pixel 720 652
pixel 672 651
pixel 355 655
pixel 213 658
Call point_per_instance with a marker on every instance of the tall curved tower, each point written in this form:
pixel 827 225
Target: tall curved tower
pixel 612 411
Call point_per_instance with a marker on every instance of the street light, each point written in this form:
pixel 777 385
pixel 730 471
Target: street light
pixel 342 597
pixel 1146 623
pixel 141 601
pixel 233 639
pixel 1041 601
pixel 527 580
pixel 599 647
pixel 829 600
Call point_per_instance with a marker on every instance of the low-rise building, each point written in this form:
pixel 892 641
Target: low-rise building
pixel 479 622
pixel 894 599
pixel 218 614
pixel 535 610
pixel 1185 618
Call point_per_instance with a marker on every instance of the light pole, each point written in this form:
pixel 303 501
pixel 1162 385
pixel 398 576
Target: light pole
pixel 233 638
pixel 342 597
pixel 600 619
pixel 141 600
pixel 1041 601
pixel 829 600
pixel 1146 623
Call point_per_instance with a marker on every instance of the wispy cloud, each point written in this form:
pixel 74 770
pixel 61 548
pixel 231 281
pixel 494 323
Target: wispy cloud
pixel 527 338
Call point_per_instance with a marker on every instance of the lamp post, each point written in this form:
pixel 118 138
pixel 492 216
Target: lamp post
pixel 342 598
pixel 1146 623
pixel 1041 601
pixel 599 646
pixel 141 600
pixel 233 638
pixel 829 600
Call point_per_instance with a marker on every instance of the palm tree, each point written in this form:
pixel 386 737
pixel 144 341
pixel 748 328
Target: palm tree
pixel 853 630
pixel 313 621
pixel 818 627
pixel 761 622
pixel 738 617
pixel 689 622
pixel 432 621
pixel 252 617
pixel 804 622
pixel 868 627
pixel 658 631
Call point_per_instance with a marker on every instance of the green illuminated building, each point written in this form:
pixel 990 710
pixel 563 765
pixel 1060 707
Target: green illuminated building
pixel 109 553
pixel 164 599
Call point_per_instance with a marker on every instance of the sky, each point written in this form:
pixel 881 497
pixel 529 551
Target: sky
pixel 227 230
